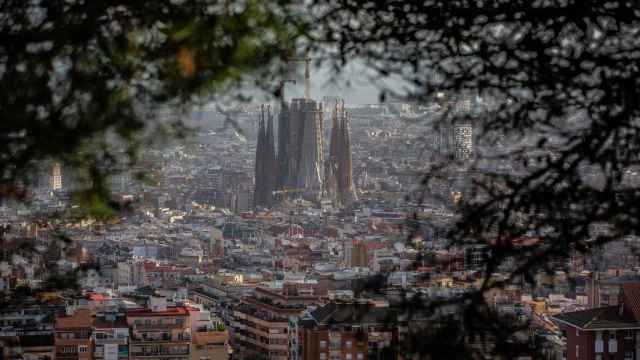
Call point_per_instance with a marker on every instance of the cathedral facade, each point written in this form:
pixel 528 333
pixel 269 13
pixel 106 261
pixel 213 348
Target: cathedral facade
pixel 299 165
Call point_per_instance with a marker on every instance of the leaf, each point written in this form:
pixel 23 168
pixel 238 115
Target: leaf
pixel 187 62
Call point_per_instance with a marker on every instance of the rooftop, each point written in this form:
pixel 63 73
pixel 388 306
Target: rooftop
pixel 608 317
pixel 80 318
pixel 103 323
pixel 351 313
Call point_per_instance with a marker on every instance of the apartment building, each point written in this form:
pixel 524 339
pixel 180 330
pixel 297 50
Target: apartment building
pixel 30 320
pixel 110 336
pixel 28 332
pixel 210 338
pixel 346 331
pixel 260 328
pixel 604 333
pixel 73 335
pixel 159 331
pixel 261 323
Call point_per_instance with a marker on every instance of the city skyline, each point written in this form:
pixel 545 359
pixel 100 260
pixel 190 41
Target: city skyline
pixel 323 180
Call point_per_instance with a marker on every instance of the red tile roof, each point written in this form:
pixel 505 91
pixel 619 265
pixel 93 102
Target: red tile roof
pixel 171 311
pixel 97 297
pixel 80 318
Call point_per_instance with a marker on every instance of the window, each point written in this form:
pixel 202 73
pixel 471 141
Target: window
pixel 323 356
pixel 82 348
pixel 628 334
pixel 348 357
pixel 628 355
pixel 335 344
pixel 348 344
pixel 599 345
pixel 598 357
pixel 360 356
pixel 613 343
pixel 323 344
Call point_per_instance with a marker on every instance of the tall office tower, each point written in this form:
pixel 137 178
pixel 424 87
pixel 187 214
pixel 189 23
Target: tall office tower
pixel 266 166
pixel 456 131
pixel 339 169
pixel 305 147
pixel 455 135
pixel 56 177
pixel 456 140
pixel 463 140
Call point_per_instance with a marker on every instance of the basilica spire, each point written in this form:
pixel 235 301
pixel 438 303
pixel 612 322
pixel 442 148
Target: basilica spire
pixel 266 163
pixel 339 170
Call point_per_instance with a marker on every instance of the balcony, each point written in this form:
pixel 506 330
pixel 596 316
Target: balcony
pixel 158 326
pixel 158 354
pixel 249 312
pixel 71 342
pixel 119 341
pixel 160 337
pixel 137 339
pixel 262 319
pixel 263 345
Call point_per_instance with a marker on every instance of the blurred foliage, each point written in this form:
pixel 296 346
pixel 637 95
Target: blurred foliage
pixel 560 81
pixel 83 82
pixel 57 281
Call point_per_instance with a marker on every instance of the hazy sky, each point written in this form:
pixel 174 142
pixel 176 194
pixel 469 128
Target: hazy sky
pixel 354 84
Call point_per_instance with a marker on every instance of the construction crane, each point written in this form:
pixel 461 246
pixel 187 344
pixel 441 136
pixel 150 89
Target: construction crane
pixel 307 73
pixel 307 78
